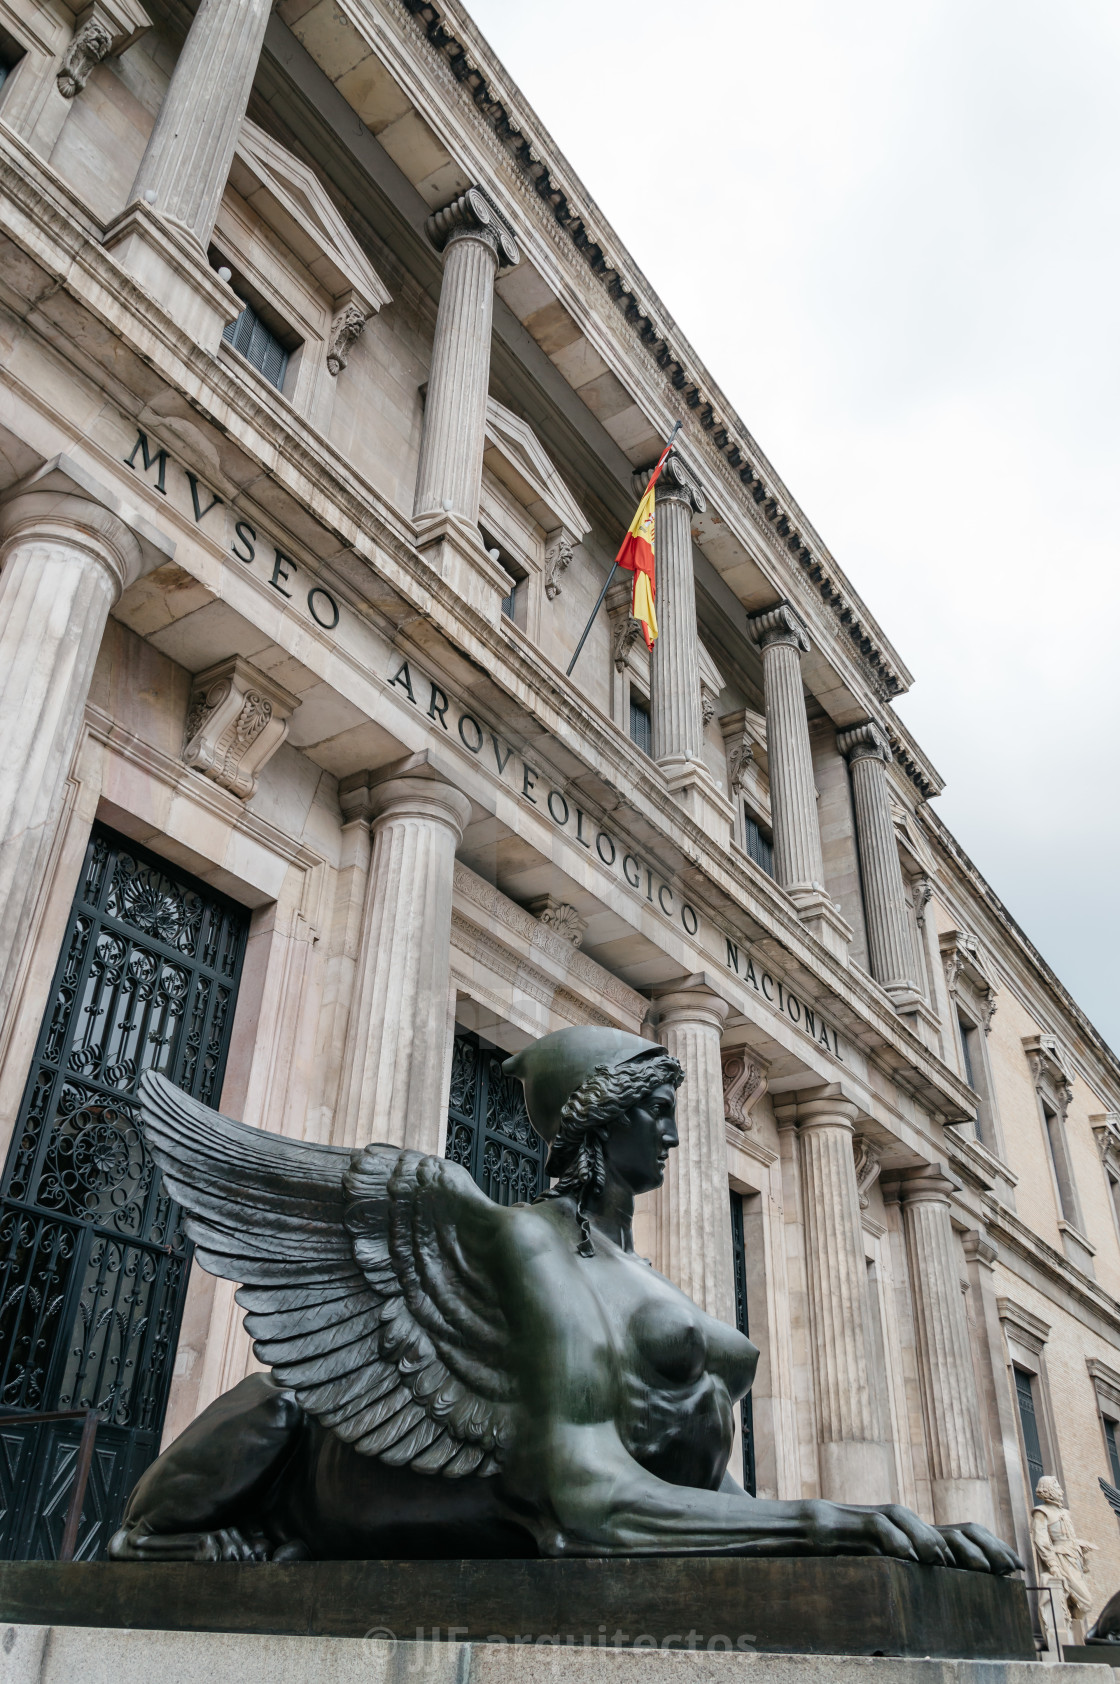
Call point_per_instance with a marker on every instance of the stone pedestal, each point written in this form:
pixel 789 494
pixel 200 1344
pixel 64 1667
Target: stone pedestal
pixel 798 864
pixel 65 558
pixel 692 1224
pixel 957 1455
pixel 853 1455
pixel 395 1063
pixel 163 234
pixel 884 896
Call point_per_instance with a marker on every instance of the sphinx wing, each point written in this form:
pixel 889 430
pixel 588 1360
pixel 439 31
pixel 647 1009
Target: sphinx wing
pixel 366 1277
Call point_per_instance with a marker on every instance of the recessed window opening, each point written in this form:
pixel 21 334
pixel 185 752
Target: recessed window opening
pixel 257 334
pixel 1114 1195
pixel 1056 1142
pixel 968 1051
pixel 10 54
pixel 1113 1448
pixel 758 844
pixel 641 724
pixel 515 600
pixel 1028 1421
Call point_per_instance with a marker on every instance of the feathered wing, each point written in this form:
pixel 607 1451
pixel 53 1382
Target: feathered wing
pixel 364 1276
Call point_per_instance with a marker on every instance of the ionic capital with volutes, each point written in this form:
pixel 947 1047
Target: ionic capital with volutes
pixel 780 625
pixel 474 216
pixel 864 742
pixel 676 484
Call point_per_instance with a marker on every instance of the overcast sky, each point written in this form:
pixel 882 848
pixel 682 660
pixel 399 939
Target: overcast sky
pixel 893 233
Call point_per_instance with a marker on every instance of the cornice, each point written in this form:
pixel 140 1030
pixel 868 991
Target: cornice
pixel 457 49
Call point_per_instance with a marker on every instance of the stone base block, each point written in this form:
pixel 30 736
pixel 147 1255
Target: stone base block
pixel 70 1655
pixel 174 271
pixel 826 1606
pixel 1091 1654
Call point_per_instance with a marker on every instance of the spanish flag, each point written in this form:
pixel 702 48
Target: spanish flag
pixel 637 557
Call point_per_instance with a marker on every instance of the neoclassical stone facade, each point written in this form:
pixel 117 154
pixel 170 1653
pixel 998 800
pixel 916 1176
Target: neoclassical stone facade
pixel 327 395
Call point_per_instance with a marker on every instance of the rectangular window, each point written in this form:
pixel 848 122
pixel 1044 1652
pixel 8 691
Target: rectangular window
pixel 641 725
pixel 1028 1420
pixel 1113 1449
pixel 759 846
pixel 968 1052
pixel 1055 1139
pixel 258 345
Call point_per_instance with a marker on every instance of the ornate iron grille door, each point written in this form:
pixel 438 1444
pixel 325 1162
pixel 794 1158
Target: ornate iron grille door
pixel 746 1410
pixel 488 1129
pixel 93 1263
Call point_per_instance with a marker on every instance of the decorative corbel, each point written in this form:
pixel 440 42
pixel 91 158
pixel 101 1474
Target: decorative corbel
pixel 237 719
pixel 345 330
pixel 744 1083
pixel 869 1161
pixel 626 633
pixel 557 560
pixel 91 43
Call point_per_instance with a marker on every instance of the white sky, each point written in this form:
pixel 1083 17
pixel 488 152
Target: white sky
pixel 892 232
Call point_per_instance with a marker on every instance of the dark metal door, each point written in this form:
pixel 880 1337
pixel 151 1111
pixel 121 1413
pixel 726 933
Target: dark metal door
pixel 739 1250
pixel 93 1264
pixel 488 1128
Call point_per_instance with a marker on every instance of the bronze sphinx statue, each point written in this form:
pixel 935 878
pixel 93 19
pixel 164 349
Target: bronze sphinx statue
pixel 449 1377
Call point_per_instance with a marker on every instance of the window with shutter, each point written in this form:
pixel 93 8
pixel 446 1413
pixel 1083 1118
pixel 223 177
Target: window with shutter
pixel 1028 1420
pixel 641 725
pixel 258 345
pixel 758 844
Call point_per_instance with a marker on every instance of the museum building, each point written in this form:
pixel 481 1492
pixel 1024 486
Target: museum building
pixel 328 393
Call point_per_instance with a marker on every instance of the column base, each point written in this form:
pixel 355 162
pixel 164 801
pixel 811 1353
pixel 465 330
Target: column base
pixel 172 267
pixel 913 1006
pixel 693 786
pixel 453 548
pixel 855 1471
pixel 821 917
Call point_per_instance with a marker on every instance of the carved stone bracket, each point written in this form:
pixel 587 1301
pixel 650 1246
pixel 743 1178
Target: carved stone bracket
pixel 869 1162
pixel 557 560
pixel 744 1083
pixel 91 43
pixel 237 719
pixel 558 916
pixel 345 330
pixel 626 633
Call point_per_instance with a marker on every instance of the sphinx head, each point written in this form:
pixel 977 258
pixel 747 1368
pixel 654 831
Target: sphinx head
pixel 605 1102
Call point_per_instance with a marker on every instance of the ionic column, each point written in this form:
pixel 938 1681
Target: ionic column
pixel 393 1081
pixel 64 561
pixel 884 898
pixel 186 163
pixel 783 639
pixel 476 244
pixel 678 732
pixel 692 1225
pixel 853 1454
pixel 957 1453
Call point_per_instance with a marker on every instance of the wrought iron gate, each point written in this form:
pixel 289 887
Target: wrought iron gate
pixel 746 1409
pixel 488 1129
pixel 93 1264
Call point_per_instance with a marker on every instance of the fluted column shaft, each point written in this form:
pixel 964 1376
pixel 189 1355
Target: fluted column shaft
pixel 187 160
pixel 793 793
pixel 675 701
pixel 475 246
pixel 395 1049
pixel 692 1225
pixel 64 563
pixel 884 895
pixel 854 1463
pixel 957 1454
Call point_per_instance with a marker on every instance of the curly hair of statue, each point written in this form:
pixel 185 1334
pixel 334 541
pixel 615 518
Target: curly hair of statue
pixel 576 1159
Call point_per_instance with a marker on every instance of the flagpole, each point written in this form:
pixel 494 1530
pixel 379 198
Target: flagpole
pixel 677 425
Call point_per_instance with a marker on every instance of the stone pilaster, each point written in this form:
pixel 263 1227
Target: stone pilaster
pixel 868 753
pixel 957 1454
pixel 65 558
pixel 798 866
pixel 163 234
pixel 854 1457
pixel 675 700
pixel 395 1060
pixel 475 245
pixel 692 1224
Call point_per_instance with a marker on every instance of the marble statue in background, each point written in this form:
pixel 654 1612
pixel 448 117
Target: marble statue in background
pixel 1062 1557
pixel 448 1377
